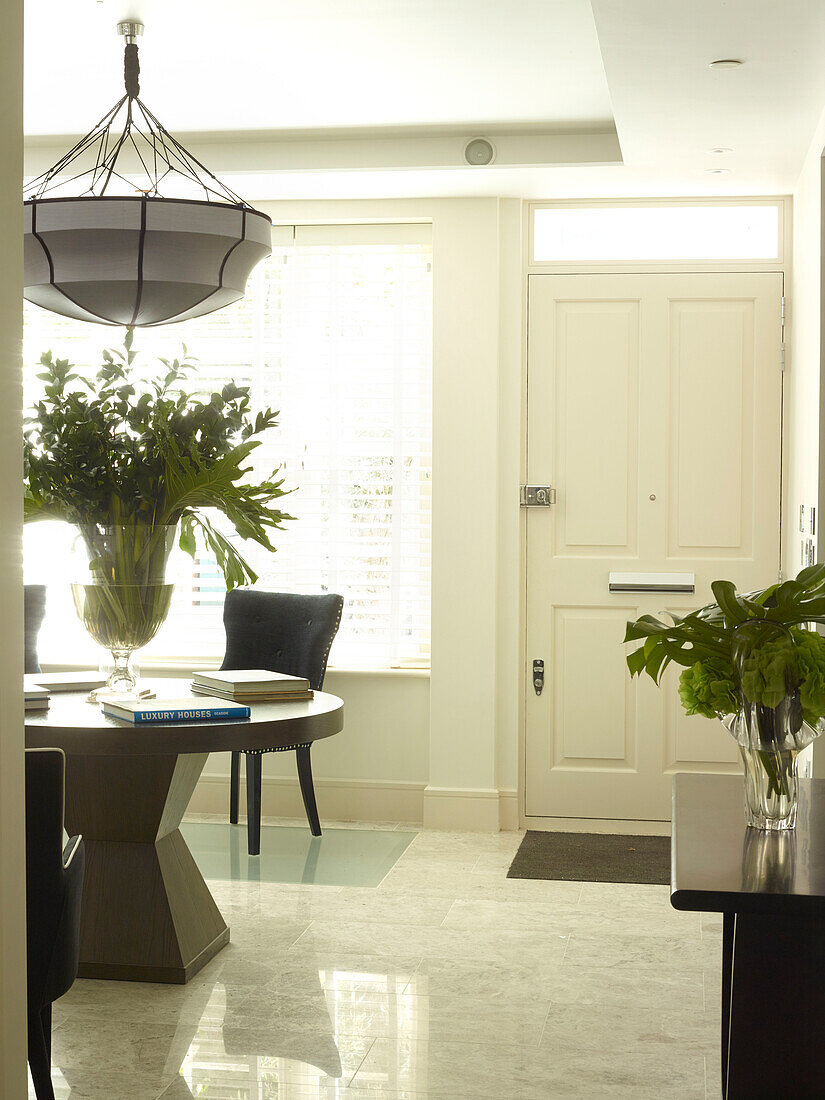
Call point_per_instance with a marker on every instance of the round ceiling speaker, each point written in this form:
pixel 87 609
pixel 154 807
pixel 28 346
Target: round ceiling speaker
pixel 479 151
pixel 139 260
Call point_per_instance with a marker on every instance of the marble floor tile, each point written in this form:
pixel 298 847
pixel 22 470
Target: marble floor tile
pixel 641 951
pixel 467 884
pixel 445 980
pixel 713 1076
pixel 615 1027
pixel 350 904
pixel 623 987
pixel 518 981
pixel 563 916
pixel 712 925
pixel 470 1019
pixel 450 1069
pixel 499 945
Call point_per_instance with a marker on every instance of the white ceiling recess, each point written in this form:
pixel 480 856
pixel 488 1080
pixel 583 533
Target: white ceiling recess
pixel 671 108
pixel 368 99
pixel 353 87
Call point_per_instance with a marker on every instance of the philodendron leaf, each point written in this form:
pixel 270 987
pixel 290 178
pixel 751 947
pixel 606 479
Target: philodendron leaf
pixel 187 540
pixel 725 593
pixel 123 451
pixel 636 661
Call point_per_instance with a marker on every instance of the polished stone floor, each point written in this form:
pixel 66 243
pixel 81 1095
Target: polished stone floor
pixel 446 980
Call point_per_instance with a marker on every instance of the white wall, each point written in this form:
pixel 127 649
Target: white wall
pixel 12 809
pixel 441 750
pixel 803 392
pixel 376 769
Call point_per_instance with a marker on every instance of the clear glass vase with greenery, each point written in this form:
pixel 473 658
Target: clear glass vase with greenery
pixel 136 465
pixel 751 660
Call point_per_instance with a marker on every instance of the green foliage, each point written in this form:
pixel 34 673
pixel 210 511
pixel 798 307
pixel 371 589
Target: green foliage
pixel 708 688
pixel 114 451
pixel 750 643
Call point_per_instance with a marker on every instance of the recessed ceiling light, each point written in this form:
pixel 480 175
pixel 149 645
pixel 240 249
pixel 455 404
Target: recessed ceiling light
pixel 719 151
pixel 717 171
pixel 726 63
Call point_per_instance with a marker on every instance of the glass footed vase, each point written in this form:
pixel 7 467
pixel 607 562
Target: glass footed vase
pixel 122 597
pixel 770 740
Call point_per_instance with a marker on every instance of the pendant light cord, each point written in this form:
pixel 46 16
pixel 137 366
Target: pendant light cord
pixel 131 70
pixel 94 159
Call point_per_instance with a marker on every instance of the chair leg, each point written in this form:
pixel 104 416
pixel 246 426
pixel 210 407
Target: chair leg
pixel 253 803
pixel 234 787
pixel 39 1060
pixel 307 788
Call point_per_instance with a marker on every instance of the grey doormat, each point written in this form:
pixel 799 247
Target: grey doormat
pixel 593 857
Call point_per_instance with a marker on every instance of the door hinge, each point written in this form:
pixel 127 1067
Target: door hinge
pixel 782 313
pixel 780 575
pixel 782 356
pixel 537 496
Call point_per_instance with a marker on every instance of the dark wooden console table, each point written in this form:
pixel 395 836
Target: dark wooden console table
pixel 147 913
pixel 771 889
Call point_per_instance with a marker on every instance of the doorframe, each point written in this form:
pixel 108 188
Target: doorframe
pixel 783 264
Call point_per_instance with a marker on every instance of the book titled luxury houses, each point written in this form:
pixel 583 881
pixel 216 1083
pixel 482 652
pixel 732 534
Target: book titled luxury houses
pixel 174 710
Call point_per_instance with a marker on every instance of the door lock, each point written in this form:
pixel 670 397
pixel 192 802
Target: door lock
pixel 538 676
pixel 537 496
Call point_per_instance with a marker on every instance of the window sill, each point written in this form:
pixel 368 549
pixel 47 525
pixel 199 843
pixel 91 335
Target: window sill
pixel 183 666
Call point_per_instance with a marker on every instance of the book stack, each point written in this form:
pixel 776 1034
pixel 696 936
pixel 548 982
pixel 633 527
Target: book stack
pixel 252 685
pixel 173 710
pixel 36 698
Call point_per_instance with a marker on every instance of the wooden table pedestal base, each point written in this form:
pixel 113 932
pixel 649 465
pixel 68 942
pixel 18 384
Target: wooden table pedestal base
pixel 147 913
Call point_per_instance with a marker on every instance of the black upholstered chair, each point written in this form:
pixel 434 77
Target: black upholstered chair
pixel 282 632
pixel 54 884
pixel 34 608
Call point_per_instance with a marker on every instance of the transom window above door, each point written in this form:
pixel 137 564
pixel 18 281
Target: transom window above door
pixel 594 234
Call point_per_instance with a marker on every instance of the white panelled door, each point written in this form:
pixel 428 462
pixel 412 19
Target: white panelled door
pixel 654 409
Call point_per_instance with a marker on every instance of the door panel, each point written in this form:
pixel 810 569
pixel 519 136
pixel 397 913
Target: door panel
pixel 654 409
pixel 711 427
pixel 597 354
pixel 599 726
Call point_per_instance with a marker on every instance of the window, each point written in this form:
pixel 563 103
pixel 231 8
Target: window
pixel 604 234
pixel 336 332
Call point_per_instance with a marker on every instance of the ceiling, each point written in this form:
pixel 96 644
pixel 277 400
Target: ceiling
pixel 264 65
pixel 364 98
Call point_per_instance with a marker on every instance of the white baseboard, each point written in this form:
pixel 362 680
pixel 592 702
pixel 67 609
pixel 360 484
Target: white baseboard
pixel 338 799
pixel 508 811
pixel 454 809
pixel 463 809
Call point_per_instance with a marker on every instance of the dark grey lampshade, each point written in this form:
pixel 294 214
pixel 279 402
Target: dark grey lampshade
pixel 139 260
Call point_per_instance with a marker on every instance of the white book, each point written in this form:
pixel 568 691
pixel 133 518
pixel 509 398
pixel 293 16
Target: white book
pixel 35 700
pixel 250 680
pixel 65 681
pixel 31 694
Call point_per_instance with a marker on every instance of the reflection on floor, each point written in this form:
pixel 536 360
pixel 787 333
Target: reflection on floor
pixel 341 857
pixel 447 980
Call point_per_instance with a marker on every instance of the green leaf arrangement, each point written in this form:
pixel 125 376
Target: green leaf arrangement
pixel 753 646
pixel 114 451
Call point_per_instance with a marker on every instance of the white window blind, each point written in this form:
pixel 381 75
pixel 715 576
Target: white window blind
pixel 335 331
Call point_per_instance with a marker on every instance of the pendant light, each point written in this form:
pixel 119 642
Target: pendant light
pixel 102 244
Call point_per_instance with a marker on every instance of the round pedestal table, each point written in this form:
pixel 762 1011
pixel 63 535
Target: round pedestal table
pixel 147 913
